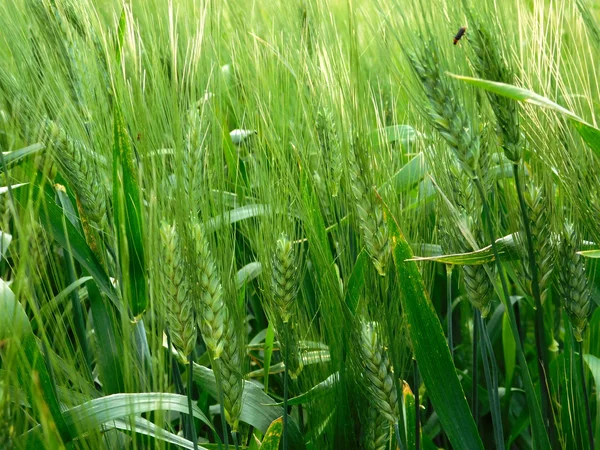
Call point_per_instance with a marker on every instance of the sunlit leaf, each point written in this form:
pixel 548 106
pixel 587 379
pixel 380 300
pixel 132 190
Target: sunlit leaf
pixel 589 133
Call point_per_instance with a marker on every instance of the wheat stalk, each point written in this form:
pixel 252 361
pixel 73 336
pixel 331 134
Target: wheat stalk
pixel 78 169
pixel 378 372
pixel 331 148
pixel 176 301
pixel 539 216
pixel 377 428
pixel 573 284
pixel 370 215
pixel 195 136
pixel 445 112
pixel 490 65
pixel 217 326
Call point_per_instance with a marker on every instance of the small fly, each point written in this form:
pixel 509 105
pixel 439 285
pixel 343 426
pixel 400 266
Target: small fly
pixel 460 34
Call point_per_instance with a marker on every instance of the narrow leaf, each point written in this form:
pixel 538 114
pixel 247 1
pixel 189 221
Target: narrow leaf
pixel 589 133
pixel 409 175
pixel 91 415
pixel 17 155
pixel 356 281
pixel 32 370
pixel 431 349
pixel 590 253
pixel 507 249
pixel 128 219
pixel 60 228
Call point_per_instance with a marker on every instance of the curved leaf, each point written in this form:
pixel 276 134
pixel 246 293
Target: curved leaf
pixel 91 415
pixel 235 215
pixel 323 388
pixel 254 411
pixel 247 273
pixel 409 175
pixel 589 133
pixel 507 249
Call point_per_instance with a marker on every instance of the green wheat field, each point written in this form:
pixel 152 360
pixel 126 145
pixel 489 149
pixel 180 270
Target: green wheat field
pixel 299 224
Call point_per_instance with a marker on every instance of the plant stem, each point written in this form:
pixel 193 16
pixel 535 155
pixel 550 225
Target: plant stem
pixel 417 406
pixel 178 381
pixel 397 432
pixel 475 374
pixel 586 400
pixel 534 407
pixel 221 404
pixel 189 396
pixel 540 338
pixel 234 435
pixel 490 370
pixel 449 268
pixel 285 387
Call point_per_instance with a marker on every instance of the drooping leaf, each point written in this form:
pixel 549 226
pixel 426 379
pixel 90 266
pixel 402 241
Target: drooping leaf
pixel 399 133
pixel 147 428
pixel 127 202
pixel 94 413
pixel 254 412
pixel 589 133
pixel 507 249
pixel 247 273
pixel 323 388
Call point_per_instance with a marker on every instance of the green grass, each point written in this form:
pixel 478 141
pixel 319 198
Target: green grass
pixel 215 212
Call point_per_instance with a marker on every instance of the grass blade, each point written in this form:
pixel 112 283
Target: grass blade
pixel 589 133
pixel 33 373
pixel 431 349
pixel 128 219
pixel 91 415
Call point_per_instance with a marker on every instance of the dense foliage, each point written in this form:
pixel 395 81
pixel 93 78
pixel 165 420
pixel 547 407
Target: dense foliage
pixel 381 219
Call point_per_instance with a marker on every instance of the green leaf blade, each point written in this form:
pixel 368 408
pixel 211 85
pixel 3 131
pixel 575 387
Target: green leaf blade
pixel 431 350
pixel 128 219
